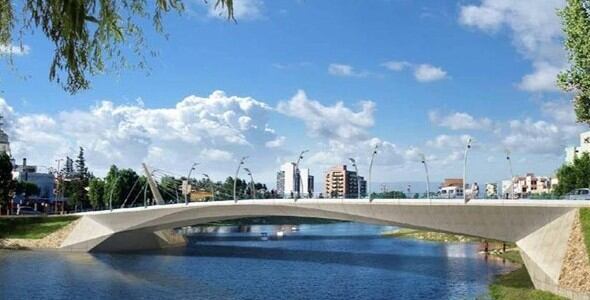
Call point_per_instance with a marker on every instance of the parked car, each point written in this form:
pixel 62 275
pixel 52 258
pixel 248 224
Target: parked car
pixel 25 210
pixel 578 194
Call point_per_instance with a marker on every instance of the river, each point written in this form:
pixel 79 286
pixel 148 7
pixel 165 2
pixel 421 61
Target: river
pixel 324 261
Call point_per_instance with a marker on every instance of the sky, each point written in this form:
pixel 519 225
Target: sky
pixel 410 77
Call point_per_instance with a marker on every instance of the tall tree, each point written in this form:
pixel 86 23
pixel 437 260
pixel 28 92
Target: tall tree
pixel 89 36
pixel 80 179
pixel 96 190
pixel 576 27
pixel 7 184
pixel 573 176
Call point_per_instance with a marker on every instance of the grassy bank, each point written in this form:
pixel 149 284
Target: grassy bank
pixel 31 227
pixel 430 236
pixel 517 285
pixel 585 221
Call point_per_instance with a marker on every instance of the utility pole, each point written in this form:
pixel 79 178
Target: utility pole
pixel 423 157
pixel 298 175
pixel 370 172
pixel 236 177
pixel 358 181
pixel 187 187
pixel 253 188
pixel 467 147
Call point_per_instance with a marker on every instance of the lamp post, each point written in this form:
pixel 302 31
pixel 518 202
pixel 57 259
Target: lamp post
pixel 297 174
pixel 358 181
pixel 511 174
pixel 370 172
pixel 188 180
pixel 423 157
pixel 252 189
pixel 212 186
pixel 236 177
pixel 467 147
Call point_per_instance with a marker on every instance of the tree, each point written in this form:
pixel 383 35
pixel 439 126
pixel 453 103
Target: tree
pixel 89 36
pixel 573 176
pixel 79 182
pixel 576 27
pixel 27 188
pixel 96 190
pixel 7 184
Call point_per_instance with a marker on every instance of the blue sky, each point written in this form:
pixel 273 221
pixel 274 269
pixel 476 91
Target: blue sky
pixel 409 76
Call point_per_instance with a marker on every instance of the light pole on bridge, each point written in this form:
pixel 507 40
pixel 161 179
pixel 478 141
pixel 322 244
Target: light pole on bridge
pixel 423 157
pixel 212 186
pixel 188 184
pixel 358 181
pixel 370 173
pixel 298 174
pixel 252 188
pixel 467 147
pixel 511 174
pixel 236 177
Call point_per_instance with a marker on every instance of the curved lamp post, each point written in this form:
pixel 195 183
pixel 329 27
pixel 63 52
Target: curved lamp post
pixel 467 147
pixel 188 180
pixel 511 174
pixel 423 157
pixel 297 174
pixel 252 189
pixel 212 186
pixel 370 172
pixel 358 181
pixel 236 177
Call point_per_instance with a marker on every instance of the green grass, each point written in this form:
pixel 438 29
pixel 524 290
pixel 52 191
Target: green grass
pixel 429 236
pixel 31 227
pixel 585 221
pixel 517 285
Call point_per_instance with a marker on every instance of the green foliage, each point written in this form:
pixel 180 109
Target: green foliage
pixel 585 221
pixel 576 27
pixel 89 36
pixel 518 285
pixel 32 228
pixel 389 195
pixel 7 184
pixel 575 175
pixel 96 189
pixel 122 185
pixel 28 188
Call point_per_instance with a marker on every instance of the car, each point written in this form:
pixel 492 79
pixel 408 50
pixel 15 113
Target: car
pixel 25 210
pixel 579 194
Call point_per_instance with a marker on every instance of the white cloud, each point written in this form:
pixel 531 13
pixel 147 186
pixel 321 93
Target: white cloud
pixel 445 141
pixel 16 50
pixel 344 71
pixel 395 65
pixel 536 32
pixel 428 73
pixel 459 120
pixel 422 72
pixel 336 122
pixel 243 10
pixel 278 142
pixel 215 128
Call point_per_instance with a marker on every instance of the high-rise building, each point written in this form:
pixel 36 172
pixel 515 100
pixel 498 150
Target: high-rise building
pixel 289 181
pixel 343 183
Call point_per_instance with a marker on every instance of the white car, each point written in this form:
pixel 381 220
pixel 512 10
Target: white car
pixel 578 194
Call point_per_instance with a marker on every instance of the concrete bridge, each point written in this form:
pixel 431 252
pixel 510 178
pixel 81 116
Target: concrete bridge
pixel 540 228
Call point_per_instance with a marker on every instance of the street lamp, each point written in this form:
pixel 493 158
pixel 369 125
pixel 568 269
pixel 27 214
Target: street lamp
pixel 236 177
pixel 358 181
pixel 467 147
pixel 297 174
pixel 511 173
pixel 212 186
pixel 370 171
pixel 423 157
pixel 252 189
pixel 188 180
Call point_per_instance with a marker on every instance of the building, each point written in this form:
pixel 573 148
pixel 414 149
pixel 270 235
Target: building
pixel 491 190
pixel 572 152
pixel 451 188
pixel 343 183
pixel 44 181
pixel 525 186
pixel 4 144
pixel 289 181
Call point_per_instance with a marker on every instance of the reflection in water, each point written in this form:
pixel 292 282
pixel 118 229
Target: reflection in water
pixel 333 261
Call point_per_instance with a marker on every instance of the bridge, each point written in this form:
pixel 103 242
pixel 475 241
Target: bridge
pixel 540 228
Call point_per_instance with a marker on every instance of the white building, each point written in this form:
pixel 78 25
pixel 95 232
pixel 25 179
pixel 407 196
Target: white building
pixel 527 185
pixel 4 144
pixel 289 181
pixel 44 181
pixel 572 152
